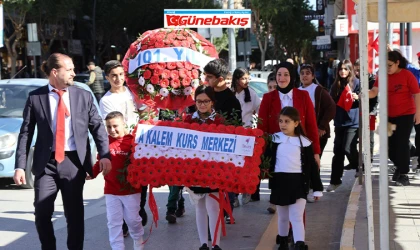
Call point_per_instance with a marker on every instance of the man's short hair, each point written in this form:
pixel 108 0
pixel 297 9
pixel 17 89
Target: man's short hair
pixel 217 67
pixel 114 114
pixel 110 65
pixel 91 63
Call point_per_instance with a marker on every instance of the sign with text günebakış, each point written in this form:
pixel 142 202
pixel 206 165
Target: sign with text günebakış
pixel 207 18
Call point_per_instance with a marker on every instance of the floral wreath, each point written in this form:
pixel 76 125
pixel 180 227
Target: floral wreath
pixel 168 85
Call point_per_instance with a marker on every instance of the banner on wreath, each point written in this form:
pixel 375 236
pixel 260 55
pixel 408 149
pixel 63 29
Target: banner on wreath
pixel 192 140
pixel 170 153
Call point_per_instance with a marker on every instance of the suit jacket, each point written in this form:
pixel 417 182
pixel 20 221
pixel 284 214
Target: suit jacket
pixel 270 110
pixel 85 118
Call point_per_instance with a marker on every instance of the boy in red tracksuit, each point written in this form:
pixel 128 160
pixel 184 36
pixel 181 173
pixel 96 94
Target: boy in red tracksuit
pixel 122 200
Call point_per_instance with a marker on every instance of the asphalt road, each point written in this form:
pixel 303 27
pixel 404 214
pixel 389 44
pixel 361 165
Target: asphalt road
pixel 324 220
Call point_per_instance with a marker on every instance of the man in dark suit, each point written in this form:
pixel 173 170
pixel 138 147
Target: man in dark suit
pixel 63 116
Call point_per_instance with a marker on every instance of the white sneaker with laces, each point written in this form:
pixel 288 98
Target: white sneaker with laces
pixel 310 197
pixel 332 187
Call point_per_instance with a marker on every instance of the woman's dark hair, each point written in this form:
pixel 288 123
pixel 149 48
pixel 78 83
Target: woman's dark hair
pixel 341 82
pixel 237 75
pixel 54 61
pixel 294 115
pixel 204 89
pixel 395 56
pixel 114 114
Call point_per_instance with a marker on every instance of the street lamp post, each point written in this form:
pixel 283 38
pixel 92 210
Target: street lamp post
pixel 94 31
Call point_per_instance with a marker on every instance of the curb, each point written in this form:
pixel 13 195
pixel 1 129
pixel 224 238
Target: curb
pixel 347 233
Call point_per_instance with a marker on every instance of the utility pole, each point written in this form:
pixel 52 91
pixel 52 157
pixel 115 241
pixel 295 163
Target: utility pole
pixel 94 31
pixel 232 43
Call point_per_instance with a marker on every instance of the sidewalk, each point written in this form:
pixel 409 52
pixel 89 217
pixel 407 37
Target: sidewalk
pixel 404 214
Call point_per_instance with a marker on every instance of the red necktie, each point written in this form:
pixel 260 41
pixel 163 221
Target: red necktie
pixel 60 130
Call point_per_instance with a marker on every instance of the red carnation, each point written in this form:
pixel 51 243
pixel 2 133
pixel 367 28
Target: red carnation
pixel 153 65
pixel 162 65
pixel 221 128
pixel 195 182
pixel 186 82
pixel 260 141
pixel 188 182
pixel 171 65
pixel 189 73
pixel 151 41
pixel 166 73
pixel 230 129
pixel 162 161
pixel 194 74
pixel 195 126
pixel 182 73
pixel 144 47
pixel 185 44
pixel 159 44
pixel 212 128
pixel 188 65
pixel 174 74
pixel 213 184
pixel 154 79
pixel 257 132
pixel 204 127
pixel 179 37
pixel 176 43
pixel 171 36
pixel 167 41
pixel 164 83
pixel 147 74
pixel 180 65
pixel 240 130
pixel 190 39
pixel 249 132
pixel 157 71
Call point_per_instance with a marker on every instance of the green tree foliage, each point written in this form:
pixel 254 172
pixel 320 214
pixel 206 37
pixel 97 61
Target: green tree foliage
pixel 15 11
pixel 284 20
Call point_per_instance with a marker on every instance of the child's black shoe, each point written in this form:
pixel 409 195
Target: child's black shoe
pixel 216 247
pixel 170 217
pixel 204 247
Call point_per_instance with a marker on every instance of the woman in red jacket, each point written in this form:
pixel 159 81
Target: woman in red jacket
pixel 287 95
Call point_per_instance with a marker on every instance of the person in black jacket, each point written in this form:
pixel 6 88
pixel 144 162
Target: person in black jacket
pixel 293 168
pixel 227 105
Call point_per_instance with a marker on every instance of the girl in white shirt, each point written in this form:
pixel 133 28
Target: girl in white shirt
pixel 250 102
pixel 293 167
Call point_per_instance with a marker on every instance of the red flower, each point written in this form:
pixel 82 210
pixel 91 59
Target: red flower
pixel 171 65
pixel 175 83
pixel 144 47
pixel 195 182
pixel 227 176
pixel 174 74
pixel 153 65
pixel 151 41
pixel 178 165
pixel 164 83
pixel 158 71
pixel 213 184
pixel 161 161
pixel 171 162
pixel 258 132
pixel 190 39
pixel 188 65
pixel 195 126
pixel 186 125
pixel 192 171
pixel 204 183
pixel 182 73
pixel 155 182
pixel 204 127
pixel 186 82
pixel 167 41
pixel 176 43
pixel 180 65
pixel 166 73
pixel 170 180
pixel 195 162
pixel 154 79
pixel 260 141
pixel 218 174
pixel 159 44
pixel 147 74
pixel 212 128
pixel 188 73
pixel 249 132
pixel 185 44
pixel 240 130
pixel 194 74
pixel 180 37
pixel 230 129
pixel 188 182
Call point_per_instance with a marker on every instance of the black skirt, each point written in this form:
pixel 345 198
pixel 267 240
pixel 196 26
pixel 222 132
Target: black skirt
pixel 286 188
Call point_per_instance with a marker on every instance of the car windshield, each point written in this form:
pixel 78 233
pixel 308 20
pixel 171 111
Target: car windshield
pixel 13 99
pixel 259 87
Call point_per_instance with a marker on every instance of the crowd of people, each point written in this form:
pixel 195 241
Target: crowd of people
pixel 296 118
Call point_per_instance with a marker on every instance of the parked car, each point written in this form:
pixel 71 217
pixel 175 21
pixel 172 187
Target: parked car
pixel 84 78
pixel 13 96
pixel 259 85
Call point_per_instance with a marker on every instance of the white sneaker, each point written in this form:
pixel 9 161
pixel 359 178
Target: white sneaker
pixel 138 244
pixel 246 198
pixel 310 197
pixel 332 187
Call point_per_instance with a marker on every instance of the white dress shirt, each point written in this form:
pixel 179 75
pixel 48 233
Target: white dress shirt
pixel 248 108
pixel 286 99
pixel 122 102
pixel 70 144
pixel 311 91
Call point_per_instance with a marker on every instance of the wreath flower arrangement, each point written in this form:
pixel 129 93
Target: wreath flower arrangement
pixel 169 84
pixel 161 165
